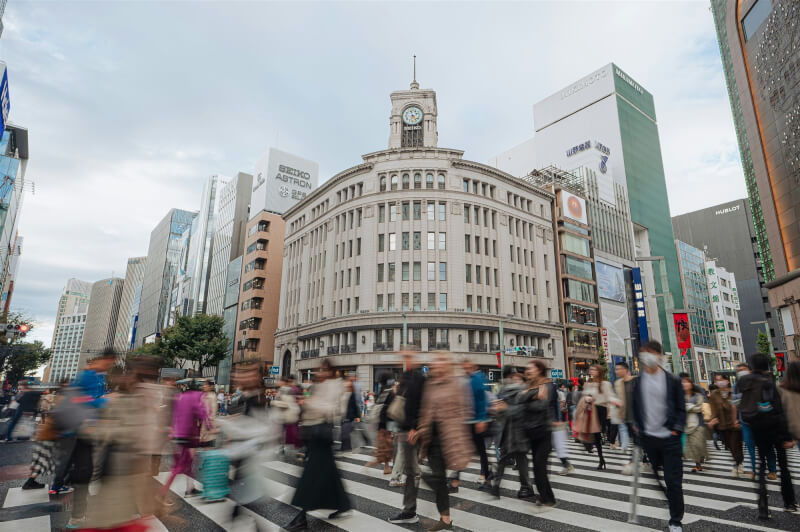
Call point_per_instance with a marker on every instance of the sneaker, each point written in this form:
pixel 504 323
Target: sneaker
pixel 567 469
pixel 340 513
pixel 525 492
pixel 404 518
pixel 441 525
pixel 75 523
pixel 735 472
pixel 675 528
pixel 193 493
pixel 540 504
pixel 628 469
pixel 31 484
pixel 772 476
pixel 791 508
pixel 62 490
pixel 740 469
pixel 396 483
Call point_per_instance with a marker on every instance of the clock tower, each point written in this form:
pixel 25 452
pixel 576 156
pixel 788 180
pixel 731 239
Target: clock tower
pixel 413 120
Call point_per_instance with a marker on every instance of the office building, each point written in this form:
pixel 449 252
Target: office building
pixel 13 163
pixel 725 306
pixel 125 329
pixel 230 314
pixel 281 181
pixel 66 347
pixel 8 289
pixel 761 60
pixel 606 122
pixel 163 257
pixel 726 233
pixel 101 318
pixel 232 211
pixel 418 239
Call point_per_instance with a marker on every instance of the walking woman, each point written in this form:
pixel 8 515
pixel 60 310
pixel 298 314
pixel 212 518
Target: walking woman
pixel 443 433
pixel 320 485
pixel 694 447
pixel 790 397
pixel 592 410
pixel 538 424
pixel 384 446
pixel 726 421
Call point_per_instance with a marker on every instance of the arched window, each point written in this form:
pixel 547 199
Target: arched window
pixel 383 183
pixel 394 182
pixel 429 181
pixel 417 180
pixel 405 182
pixel 441 181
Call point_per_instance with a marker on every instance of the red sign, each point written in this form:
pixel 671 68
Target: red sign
pixel 681 320
pixel 499 365
pixel 780 362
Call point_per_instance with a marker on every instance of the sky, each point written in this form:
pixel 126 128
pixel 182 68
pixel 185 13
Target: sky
pixel 130 106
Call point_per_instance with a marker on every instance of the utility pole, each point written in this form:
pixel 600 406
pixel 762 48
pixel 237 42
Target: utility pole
pixel 502 353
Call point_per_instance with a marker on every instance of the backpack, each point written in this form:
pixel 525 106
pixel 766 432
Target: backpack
pixel 758 404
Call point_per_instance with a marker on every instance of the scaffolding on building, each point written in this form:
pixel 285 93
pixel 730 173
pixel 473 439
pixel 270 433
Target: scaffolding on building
pixel 554 176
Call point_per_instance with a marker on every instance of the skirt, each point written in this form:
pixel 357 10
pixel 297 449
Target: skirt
pixel 320 485
pixel 695 449
pixel 384 449
pixel 42 463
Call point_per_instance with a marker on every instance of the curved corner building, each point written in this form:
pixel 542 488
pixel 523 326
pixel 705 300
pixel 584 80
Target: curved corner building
pixel 418 237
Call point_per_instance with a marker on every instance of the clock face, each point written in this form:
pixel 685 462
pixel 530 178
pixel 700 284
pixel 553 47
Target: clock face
pixel 412 116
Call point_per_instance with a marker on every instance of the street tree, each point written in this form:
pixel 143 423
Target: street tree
pixel 197 342
pixel 21 358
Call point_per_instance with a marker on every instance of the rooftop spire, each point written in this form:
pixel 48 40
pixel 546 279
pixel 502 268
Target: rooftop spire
pixel 414 84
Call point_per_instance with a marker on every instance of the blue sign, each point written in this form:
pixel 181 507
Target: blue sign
pixel 424 370
pixel 5 102
pixel 641 314
pixel 274 370
pixel 556 373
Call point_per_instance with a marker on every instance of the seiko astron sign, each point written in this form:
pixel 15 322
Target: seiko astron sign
pixel 281 180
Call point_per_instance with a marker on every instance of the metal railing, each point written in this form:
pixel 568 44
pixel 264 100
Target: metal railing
pixel 311 353
pixel 333 350
pixel 382 347
pixel 477 348
pixel 348 348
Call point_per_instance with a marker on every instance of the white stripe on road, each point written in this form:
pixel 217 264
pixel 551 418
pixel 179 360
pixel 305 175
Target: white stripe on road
pixel 31 524
pixel 20 497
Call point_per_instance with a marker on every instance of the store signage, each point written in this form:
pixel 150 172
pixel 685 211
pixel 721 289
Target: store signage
pixel 780 362
pixel 681 320
pixel 556 373
pixel 573 207
pixel 274 370
pixel 281 181
pixel 715 293
pixel 5 102
pixel 585 82
pixel 727 210
pixel 641 314
pixel 627 79
pixel 604 333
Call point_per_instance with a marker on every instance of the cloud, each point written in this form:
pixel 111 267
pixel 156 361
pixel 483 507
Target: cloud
pixel 130 106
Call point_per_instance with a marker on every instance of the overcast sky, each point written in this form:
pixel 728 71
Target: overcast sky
pixel 131 105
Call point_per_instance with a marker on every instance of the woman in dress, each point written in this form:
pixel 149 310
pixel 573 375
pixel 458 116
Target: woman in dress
pixel 320 485
pixel 694 448
pixel 592 410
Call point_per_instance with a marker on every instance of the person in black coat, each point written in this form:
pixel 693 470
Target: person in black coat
pixel 351 414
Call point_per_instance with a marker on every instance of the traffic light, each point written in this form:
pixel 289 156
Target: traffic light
pixel 23 329
pixel 14 330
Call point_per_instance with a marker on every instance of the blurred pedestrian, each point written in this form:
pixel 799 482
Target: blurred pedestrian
pixel 592 411
pixel 622 389
pixel 350 416
pixel 443 434
pixel 558 409
pixel 480 419
pixel 790 399
pixel 659 410
pixel 535 400
pixel 747 434
pixel 209 433
pixel 320 485
pixel 762 409
pixel 726 420
pixel 695 436
pixel 379 415
pixel 512 440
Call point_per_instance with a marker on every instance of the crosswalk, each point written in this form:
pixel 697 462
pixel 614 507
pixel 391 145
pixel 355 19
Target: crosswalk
pixel 588 499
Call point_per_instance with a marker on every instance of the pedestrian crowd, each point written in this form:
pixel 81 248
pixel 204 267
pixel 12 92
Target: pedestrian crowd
pixel 118 423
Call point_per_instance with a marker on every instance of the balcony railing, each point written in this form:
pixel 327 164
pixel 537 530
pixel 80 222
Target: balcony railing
pixel 348 348
pixel 411 347
pixel 311 353
pixel 442 345
pixel 382 347
pixel 494 347
pixel 333 350
pixel 477 348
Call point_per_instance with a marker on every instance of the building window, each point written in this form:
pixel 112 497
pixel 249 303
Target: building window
pixel 391 271
pixel 381 213
pixel 442 301
pixel 442 271
pixel 431 301
pixel 431 240
pixel 466 214
pixel 441 181
pixel 442 241
pixel 390 303
pixel 478 275
pixel 465 183
pixel 392 241
pixel 417 210
pixel 417 302
pixel 417 180
pixel 429 181
pixel 466 243
pixel 405 240
pixel 431 211
pixel 417 271
pixel 405 272
pixel 406 211
pixel 392 212
pixel 468 273
pixel 431 271
pixel 442 211
pixel 404 301
pixel 379 304
pixel 394 182
pixel 380 273
pixel 405 182
pixel 383 183
pixel 358 275
pixel 381 239
pixel 417 240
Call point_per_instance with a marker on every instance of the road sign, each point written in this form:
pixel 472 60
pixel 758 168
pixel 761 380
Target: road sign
pixel 274 370
pixel 556 373
pixel 425 370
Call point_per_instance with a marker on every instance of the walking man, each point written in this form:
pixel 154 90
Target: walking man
pixel 659 412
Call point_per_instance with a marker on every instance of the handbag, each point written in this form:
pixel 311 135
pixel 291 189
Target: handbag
pixel 397 410
pixel 321 432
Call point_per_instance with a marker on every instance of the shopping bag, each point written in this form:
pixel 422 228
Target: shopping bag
pixel 214 466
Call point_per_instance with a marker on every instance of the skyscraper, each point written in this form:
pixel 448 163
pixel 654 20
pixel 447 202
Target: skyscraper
pixel 606 121
pixel 726 234
pixel 163 256
pixel 129 304
pixel 101 318
pixel 65 345
pixel 13 163
pixel 761 60
pixel 233 200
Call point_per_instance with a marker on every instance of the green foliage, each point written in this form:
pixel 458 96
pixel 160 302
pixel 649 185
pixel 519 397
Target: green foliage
pixel 762 344
pixel 21 358
pixel 602 360
pixel 194 341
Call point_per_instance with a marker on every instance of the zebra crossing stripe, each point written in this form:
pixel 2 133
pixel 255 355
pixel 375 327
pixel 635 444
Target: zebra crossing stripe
pixel 20 497
pixel 30 524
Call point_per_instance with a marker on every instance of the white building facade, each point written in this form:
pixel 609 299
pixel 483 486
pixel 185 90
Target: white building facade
pixel 725 308
pixel 417 238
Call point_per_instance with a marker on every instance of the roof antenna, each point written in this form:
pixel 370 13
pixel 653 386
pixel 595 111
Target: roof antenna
pixel 414 84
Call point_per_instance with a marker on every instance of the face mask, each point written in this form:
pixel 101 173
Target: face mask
pixel 722 384
pixel 741 373
pixel 649 360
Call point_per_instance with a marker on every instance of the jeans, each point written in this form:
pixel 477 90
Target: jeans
pixel 767 444
pixel 408 452
pixel 624 437
pixel 667 454
pixel 12 423
pixel 540 446
pixel 750 443
pixel 346 431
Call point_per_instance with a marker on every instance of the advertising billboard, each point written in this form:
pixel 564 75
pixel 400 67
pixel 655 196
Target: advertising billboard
pixel 280 181
pixel 682 333
pixel 715 293
pixel 573 207
pixel 610 282
pixel 5 102
pixel 641 314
